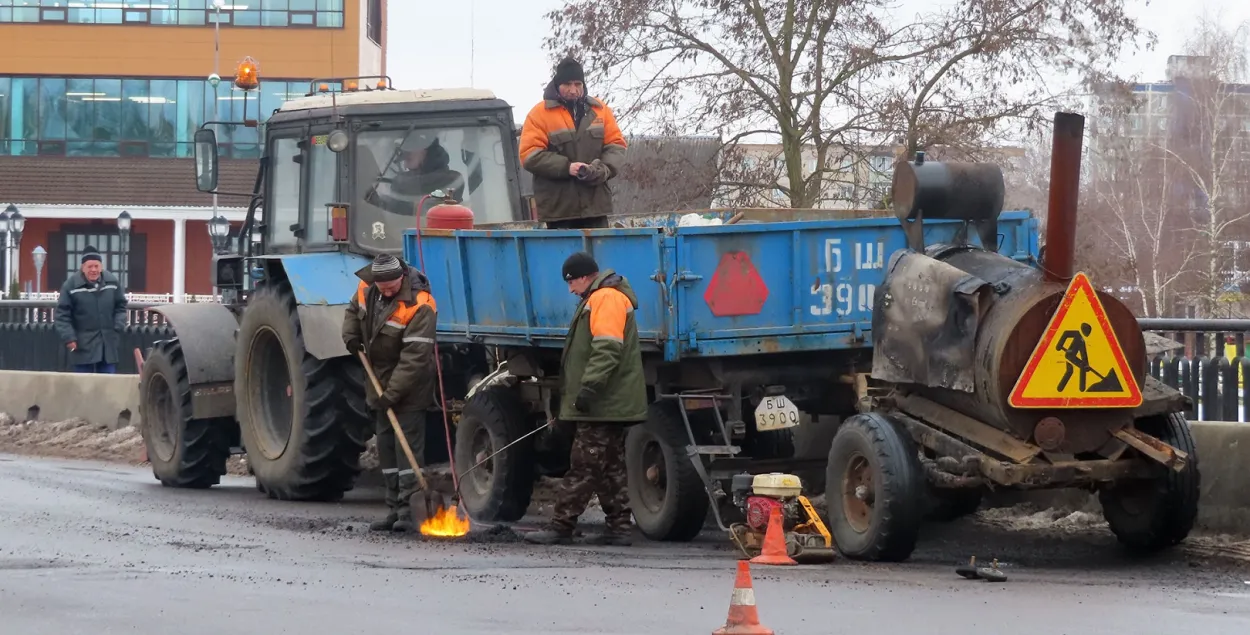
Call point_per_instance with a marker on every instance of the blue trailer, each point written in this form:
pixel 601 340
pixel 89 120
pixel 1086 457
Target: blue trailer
pixel 748 329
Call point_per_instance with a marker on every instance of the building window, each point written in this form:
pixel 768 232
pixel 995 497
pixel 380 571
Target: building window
pixel 85 116
pixel 258 13
pixel 375 21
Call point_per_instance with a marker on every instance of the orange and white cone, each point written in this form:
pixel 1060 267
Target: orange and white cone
pixel 743 619
pixel 774 551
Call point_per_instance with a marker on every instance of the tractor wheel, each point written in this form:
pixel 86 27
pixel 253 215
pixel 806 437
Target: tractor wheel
pixel 500 489
pixel 1151 515
pixel 874 490
pixel 184 452
pixel 302 418
pixel 665 492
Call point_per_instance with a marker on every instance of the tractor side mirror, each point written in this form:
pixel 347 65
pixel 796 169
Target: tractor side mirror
pixel 205 160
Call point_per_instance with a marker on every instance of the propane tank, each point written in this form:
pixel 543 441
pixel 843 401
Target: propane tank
pixel 449 214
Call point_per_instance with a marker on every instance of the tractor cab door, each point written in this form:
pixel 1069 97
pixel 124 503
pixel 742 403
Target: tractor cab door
pixel 303 179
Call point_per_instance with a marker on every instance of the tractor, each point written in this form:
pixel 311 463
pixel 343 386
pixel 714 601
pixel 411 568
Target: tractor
pixel 345 170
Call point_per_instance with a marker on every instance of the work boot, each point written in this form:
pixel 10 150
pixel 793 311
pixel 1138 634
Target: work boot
pixel 404 523
pixel 386 524
pixel 610 538
pixel 549 537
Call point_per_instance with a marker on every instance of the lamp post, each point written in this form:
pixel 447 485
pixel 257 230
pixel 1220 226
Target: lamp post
pixel 4 242
pixel 14 225
pixel 39 255
pixel 219 232
pixel 123 228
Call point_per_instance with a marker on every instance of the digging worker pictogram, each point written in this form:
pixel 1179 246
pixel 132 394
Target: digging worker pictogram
pixel 391 318
pixel 1072 345
pixel 603 393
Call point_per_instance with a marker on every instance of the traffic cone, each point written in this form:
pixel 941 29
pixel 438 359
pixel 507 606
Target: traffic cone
pixel 743 619
pixel 774 551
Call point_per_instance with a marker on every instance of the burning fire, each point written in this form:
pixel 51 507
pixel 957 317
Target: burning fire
pixel 446 523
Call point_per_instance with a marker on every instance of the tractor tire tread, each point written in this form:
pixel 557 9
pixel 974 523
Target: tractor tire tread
pixel 201 459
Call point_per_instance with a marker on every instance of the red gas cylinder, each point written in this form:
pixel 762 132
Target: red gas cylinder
pixel 449 215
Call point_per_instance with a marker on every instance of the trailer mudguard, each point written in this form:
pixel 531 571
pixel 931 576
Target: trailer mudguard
pixel 205 333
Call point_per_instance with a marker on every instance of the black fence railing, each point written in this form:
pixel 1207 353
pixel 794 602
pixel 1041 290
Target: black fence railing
pixel 1208 364
pixel 28 338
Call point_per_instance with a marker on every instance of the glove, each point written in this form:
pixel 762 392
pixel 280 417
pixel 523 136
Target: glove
pixel 355 346
pixel 584 399
pixel 599 173
pixel 382 404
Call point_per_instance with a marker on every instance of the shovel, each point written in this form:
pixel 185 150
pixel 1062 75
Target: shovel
pixel 434 503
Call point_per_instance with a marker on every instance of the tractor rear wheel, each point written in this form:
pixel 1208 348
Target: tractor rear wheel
pixel 1150 515
pixel 874 489
pixel 184 452
pixel 303 419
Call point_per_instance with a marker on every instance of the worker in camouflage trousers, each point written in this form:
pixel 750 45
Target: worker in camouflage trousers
pixel 391 318
pixel 603 392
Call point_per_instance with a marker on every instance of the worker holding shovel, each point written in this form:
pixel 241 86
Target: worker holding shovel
pixel 391 321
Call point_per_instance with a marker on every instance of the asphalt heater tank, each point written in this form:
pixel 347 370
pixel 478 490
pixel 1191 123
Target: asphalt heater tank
pixel 1004 372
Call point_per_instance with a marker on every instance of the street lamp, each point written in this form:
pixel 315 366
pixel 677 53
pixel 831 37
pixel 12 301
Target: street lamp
pixel 219 232
pixel 14 224
pixel 39 255
pixel 123 228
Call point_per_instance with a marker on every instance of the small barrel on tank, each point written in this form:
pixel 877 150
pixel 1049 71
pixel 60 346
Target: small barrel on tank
pixel 1024 298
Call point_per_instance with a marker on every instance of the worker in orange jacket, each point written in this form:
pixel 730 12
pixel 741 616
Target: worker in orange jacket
pixel 571 144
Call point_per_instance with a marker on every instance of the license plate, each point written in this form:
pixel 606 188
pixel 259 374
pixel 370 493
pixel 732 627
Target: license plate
pixel 776 413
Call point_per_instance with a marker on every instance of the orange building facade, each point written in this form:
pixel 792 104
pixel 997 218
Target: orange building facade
pixel 99 103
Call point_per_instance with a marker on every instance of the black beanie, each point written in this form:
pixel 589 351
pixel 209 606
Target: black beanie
pixel 569 70
pixel 90 254
pixel 578 265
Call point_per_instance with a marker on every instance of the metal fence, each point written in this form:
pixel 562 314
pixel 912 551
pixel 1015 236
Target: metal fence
pixel 28 338
pixel 1209 364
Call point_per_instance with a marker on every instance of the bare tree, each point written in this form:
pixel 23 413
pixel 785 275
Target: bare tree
pixel 1209 124
pixel 827 77
pixel 1137 223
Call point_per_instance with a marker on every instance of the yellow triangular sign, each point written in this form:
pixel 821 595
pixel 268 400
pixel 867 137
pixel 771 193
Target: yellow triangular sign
pixel 1079 362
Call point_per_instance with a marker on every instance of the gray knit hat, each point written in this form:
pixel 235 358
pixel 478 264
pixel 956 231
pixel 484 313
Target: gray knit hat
pixel 387 267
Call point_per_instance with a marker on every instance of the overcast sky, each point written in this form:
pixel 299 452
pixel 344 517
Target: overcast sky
pixel 430 42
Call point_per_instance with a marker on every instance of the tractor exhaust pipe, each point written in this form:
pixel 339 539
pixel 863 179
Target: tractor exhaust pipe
pixel 1059 260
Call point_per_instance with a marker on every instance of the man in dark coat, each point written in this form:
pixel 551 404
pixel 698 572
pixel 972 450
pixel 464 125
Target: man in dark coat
pixel 391 318
pixel 90 316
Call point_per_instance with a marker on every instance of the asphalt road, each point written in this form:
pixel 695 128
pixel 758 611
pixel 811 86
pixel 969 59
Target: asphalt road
pixel 99 549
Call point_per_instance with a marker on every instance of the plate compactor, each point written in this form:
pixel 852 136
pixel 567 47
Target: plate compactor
pixel 807 538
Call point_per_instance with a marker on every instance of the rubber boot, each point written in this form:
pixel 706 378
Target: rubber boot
pixel 386 524
pixel 549 537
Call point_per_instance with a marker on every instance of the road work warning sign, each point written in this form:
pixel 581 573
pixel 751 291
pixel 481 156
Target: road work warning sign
pixel 1078 363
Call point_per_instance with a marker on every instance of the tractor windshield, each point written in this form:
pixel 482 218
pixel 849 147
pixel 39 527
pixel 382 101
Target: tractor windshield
pixel 395 170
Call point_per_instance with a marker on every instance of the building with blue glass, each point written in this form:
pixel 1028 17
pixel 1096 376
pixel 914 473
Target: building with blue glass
pixel 100 99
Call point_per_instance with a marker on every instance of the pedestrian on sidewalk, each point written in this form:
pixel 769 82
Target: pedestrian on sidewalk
pixel 392 318
pixel 91 315
pixel 603 392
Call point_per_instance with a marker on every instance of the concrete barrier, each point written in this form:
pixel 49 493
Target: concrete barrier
pixel 111 400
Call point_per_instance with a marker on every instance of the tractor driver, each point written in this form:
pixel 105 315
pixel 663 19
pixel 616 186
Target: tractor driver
pixel 391 318
pixel 422 168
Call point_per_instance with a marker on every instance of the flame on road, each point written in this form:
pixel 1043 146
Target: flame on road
pixel 446 523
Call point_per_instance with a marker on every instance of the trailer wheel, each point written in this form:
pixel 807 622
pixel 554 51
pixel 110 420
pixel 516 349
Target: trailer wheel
pixel 301 417
pixel 665 492
pixel 1155 514
pixel 184 452
pixel 874 490
pixel 501 488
